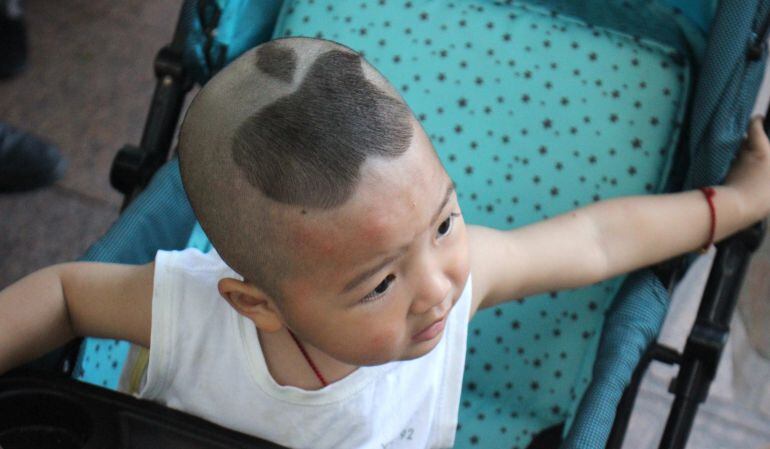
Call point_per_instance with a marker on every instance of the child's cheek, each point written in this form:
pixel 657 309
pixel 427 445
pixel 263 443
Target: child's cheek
pixel 461 263
pixel 461 271
pixel 384 344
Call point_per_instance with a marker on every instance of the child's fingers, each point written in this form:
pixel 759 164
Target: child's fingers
pixel 757 136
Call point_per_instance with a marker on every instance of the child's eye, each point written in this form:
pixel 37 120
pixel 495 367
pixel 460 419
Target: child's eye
pixel 380 289
pixel 446 226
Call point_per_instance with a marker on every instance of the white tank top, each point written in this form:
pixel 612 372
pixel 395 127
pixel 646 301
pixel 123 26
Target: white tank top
pixel 205 359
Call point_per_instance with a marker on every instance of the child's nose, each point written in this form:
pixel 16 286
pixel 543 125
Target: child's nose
pixel 433 290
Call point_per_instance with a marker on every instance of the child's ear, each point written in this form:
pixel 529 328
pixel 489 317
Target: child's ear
pixel 252 303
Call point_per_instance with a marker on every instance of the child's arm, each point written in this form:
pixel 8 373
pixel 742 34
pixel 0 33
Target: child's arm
pixel 50 307
pixel 616 236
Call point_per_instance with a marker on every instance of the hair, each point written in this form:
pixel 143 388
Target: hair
pixel 284 128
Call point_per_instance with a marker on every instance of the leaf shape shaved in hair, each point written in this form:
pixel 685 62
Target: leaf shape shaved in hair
pixel 308 147
pixel 279 62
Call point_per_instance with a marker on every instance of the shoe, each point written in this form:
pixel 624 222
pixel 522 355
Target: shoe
pixel 13 39
pixel 26 162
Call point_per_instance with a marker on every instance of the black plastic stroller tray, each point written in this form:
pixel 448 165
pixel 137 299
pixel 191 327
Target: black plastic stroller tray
pixel 45 412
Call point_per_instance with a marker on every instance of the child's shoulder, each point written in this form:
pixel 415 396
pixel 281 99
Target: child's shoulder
pixel 193 260
pixel 501 263
pixel 481 241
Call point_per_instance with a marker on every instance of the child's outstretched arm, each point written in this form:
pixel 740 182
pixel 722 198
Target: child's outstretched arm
pixel 49 307
pixel 616 236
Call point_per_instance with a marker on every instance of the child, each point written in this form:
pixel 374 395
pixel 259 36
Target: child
pixel 347 271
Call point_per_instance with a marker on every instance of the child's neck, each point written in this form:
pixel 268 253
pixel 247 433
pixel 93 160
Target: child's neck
pixel 288 366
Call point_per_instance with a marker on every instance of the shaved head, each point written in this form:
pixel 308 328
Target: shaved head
pixel 280 136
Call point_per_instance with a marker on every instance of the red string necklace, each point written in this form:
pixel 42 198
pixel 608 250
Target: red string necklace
pixel 309 360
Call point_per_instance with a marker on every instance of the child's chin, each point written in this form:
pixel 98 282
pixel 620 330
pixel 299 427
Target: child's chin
pixel 423 348
pixel 414 351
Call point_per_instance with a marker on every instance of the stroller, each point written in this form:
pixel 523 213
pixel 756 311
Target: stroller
pixel 536 107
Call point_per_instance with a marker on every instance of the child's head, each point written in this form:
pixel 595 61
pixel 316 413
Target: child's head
pixel 313 181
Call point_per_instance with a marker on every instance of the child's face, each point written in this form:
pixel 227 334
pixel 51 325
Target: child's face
pixel 379 273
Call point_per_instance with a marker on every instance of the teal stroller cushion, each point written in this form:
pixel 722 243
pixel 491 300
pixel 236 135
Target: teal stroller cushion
pixel 533 114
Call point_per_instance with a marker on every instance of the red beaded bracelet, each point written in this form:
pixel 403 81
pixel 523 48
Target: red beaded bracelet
pixel 710 192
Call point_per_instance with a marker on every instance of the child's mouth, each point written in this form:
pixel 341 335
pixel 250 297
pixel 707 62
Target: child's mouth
pixel 431 331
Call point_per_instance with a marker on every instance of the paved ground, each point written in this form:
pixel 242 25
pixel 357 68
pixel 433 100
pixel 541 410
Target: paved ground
pixel 88 87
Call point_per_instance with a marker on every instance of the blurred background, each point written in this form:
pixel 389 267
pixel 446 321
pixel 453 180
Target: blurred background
pixel 86 89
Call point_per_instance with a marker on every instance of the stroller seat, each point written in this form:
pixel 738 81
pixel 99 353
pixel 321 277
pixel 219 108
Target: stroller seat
pixel 533 113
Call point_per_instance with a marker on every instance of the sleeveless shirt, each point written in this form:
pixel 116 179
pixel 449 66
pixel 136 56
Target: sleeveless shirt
pixel 205 359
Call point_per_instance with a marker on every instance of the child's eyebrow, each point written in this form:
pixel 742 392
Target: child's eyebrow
pixel 361 277
pixel 451 188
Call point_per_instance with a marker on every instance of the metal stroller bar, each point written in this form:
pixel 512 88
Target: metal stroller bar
pixel 655 351
pixel 703 350
pixel 709 334
pixel 133 166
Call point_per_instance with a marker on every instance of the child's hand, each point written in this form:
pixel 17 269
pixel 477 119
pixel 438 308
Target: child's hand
pixel 750 172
